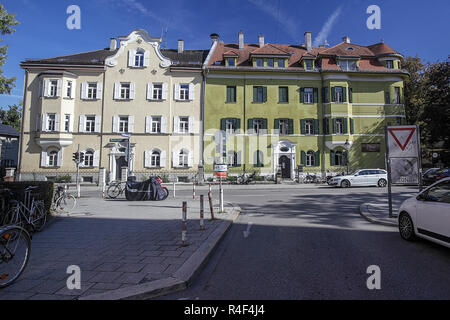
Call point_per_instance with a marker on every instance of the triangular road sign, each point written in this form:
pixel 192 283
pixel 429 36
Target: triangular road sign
pixel 402 136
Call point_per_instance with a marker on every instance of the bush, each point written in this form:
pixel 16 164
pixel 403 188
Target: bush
pixel 231 179
pixel 210 179
pixel 63 179
pixel 165 179
pixel 44 192
pixel 259 178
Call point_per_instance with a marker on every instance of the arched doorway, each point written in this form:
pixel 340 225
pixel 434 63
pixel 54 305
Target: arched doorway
pixel 285 165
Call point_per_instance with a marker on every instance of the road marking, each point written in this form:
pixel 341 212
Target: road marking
pixel 247 232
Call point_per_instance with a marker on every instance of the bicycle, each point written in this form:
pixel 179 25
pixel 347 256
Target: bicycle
pixel 246 179
pixel 115 189
pixel 15 246
pixel 63 201
pixel 29 214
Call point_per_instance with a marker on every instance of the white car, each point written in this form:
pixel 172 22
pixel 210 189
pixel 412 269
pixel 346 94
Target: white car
pixel 427 215
pixel 365 177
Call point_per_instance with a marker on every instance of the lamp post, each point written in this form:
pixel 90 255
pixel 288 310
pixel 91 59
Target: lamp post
pixel 347 147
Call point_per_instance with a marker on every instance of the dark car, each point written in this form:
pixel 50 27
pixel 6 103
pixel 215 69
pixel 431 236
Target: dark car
pixel 430 178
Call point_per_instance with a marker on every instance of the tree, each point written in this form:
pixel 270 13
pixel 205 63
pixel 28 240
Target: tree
pixel 414 89
pixel 12 117
pixel 7 22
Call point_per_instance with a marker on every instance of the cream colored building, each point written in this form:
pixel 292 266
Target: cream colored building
pixel 93 98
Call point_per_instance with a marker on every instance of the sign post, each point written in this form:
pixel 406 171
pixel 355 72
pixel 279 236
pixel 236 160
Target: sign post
pixel 221 171
pixel 403 158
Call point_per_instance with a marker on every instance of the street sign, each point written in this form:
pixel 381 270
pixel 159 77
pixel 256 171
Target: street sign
pixel 220 170
pixel 118 140
pixel 403 141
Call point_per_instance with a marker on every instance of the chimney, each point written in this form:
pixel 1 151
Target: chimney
pixel 308 41
pixel 241 40
pixel 346 39
pixel 180 46
pixel 261 40
pixel 214 37
pixel 113 44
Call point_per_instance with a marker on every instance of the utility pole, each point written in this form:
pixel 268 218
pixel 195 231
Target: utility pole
pixel 78 172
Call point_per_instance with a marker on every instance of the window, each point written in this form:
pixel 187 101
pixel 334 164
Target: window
pixel 157 91
pixel 123 124
pixel 92 90
pixel 439 193
pixel 270 63
pixel 309 126
pixel 370 147
pixel 231 94
pixel 340 126
pixel 90 124
pixel 156 159
pixel 309 95
pixel 259 94
pixel 339 94
pixel 397 95
pixel 156 125
pixel 280 63
pixel 139 58
pixel 310 159
pixel 184 125
pixel 89 158
pixel 258 126
pixel 125 91
pixel 258 159
pixel 230 126
pixel 348 65
pixel 69 89
pixel 52 159
pixel 390 64
pixel 184 92
pixel 53 89
pixel 339 158
pixel 259 62
pixel 283 93
pixel 231 62
pixel 325 95
pixel 232 159
pixel 183 159
pixel 67 123
pixel 284 127
pixel 387 97
pixel 309 65
pixel 51 122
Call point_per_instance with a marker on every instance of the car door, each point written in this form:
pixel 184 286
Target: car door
pixel 372 177
pixel 433 212
pixel 361 178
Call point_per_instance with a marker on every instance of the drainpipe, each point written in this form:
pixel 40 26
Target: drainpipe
pixel 323 128
pixel 19 164
pixel 245 125
pixel 101 124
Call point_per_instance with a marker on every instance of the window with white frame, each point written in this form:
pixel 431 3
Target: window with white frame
pixel 339 158
pixel 184 92
pixel 339 126
pixel 51 122
pixel 280 63
pixel 139 58
pixel 284 127
pixel 89 124
pixel 310 159
pixel 183 159
pixel 397 95
pixel 125 91
pixel 309 126
pixel 258 126
pixel 53 88
pixel 230 126
pixel 69 89
pixel 309 95
pixel 67 123
pixel 232 158
pixel 390 64
pixel 155 125
pixel 184 125
pixel 259 62
pixel 89 158
pixel 155 159
pixel 52 158
pixel 270 63
pixel 91 90
pixel 309 64
pixel 348 65
pixel 123 124
pixel 339 93
pixel 157 91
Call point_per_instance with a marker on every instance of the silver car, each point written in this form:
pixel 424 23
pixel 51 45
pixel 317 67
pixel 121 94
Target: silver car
pixel 364 177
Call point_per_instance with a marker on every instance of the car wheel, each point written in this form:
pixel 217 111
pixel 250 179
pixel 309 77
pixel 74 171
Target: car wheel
pixel 382 183
pixel 406 227
pixel 345 184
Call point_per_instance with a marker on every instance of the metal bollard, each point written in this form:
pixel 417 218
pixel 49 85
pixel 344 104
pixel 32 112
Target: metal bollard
pixel 202 213
pixel 174 190
pixel 211 205
pixel 193 191
pixel 183 225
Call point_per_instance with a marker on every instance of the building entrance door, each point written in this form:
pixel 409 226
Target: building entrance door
pixel 285 165
pixel 120 162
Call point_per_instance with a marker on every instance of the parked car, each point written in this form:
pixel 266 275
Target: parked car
pixel 436 175
pixel 364 177
pixel 427 215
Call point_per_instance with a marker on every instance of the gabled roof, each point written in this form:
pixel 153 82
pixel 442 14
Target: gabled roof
pixel 269 49
pixel 96 57
pixel 188 58
pixel 8 131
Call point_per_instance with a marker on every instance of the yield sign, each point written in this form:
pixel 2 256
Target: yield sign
pixel 402 136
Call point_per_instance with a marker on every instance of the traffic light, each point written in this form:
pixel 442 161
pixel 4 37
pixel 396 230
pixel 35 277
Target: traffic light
pixel 76 157
pixel 81 157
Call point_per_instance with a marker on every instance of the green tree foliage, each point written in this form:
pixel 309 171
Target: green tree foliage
pixel 7 22
pixel 12 117
pixel 414 89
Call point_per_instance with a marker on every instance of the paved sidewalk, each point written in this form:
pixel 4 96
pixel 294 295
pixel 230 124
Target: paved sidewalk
pixel 125 250
pixel 378 213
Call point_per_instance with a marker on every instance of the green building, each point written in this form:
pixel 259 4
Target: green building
pixel 280 107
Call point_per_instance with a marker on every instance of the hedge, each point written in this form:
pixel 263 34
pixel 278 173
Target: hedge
pixel 44 192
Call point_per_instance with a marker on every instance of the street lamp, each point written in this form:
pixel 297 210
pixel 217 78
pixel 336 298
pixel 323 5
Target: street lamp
pixel 348 146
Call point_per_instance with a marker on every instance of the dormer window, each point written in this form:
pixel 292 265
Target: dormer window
pixel 309 65
pixel 280 63
pixel 231 62
pixel 270 63
pixel 259 62
pixel 348 65
pixel 390 64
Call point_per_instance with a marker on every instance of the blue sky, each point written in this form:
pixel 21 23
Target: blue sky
pixel 412 27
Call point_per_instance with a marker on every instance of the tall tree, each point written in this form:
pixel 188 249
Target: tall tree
pixel 7 24
pixel 12 116
pixel 414 89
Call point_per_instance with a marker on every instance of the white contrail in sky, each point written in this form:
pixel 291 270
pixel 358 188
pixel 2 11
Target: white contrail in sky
pixel 326 29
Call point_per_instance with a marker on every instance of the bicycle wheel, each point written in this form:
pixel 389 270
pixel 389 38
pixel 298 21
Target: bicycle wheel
pixel 66 203
pixel 15 245
pixel 38 216
pixel 113 191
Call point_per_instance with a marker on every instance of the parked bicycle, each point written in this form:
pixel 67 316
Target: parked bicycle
pixel 63 201
pixel 115 189
pixel 246 179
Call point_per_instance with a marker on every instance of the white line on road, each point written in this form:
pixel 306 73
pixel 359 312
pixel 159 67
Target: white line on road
pixel 247 232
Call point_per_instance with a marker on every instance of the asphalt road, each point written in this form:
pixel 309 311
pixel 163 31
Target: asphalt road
pixel 311 243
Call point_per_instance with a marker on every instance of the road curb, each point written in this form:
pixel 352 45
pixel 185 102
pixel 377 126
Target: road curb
pixel 365 213
pixel 181 279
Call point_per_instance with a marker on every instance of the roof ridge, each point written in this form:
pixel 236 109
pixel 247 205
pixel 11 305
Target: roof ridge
pixel 69 55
